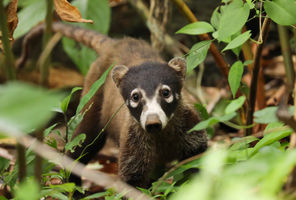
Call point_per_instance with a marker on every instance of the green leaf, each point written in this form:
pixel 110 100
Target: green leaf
pixel 238 41
pixel 235 76
pixel 281 11
pixel 81 55
pixel 66 187
pixel 77 141
pixel 242 143
pixel 202 111
pixel 29 17
pixel 197 54
pixel 196 28
pixel 84 100
pixel 96 195
pixel 28 190
pixel 47 131
pixel 272 137
pixel 26 107
pixel 235 104
pixel 268 115
pixel 233 18
pixel 211 121
pixel 215 18
pixel 65 102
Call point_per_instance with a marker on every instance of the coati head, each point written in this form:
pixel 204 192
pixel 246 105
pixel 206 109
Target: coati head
pixel 151 91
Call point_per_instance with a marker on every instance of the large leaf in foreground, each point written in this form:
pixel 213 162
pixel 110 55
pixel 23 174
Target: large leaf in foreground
pixel 26 107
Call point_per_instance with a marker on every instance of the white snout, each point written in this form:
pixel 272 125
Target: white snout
pixel 152 107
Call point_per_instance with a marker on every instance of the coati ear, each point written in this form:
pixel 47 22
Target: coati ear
pixel 117 73
pixel 179 65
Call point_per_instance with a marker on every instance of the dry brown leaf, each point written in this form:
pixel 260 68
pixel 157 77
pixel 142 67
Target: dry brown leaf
pixel 12 20
pixel 69 13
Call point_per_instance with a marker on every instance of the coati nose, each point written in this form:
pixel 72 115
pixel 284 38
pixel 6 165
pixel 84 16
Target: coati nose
pixel 153 123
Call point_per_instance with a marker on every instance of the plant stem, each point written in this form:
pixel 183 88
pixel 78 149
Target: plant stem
pixel 21 157
pixel 255 75
pixel 9 70
pixel 44 70
pixel 38 160
pixel 213 49
pixel 286 52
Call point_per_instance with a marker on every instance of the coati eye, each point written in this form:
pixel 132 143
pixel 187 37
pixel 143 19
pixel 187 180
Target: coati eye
pixel 135 97
pixel 165 93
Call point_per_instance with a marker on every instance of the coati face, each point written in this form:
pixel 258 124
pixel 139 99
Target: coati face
pixel 151 91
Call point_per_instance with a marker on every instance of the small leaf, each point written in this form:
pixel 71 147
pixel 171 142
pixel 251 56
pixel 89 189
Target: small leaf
pixel 66 187
pixel 235 104
pixel 85 99
pixel 65 102
pixel 238 41
pixel 197 54
pixel 77 141
pixel 202 111
pixel 281 11
pixel 47 131
pixel 235 76
pixel 211 121
pixel 215 19
pixel 68 13
pixel 196 28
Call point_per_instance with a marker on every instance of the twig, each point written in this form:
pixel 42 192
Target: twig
pixel 99 178
pixel 21 158
pixel 286 52
pixel 38 159
pixel 44 69
pixel 255 75
pixel 5 154
pixel 154 27
pixel 183 162
pixel 43 59
pixel 213 49
pixel 9 58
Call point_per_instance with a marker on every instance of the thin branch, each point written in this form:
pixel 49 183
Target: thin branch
pixel 38 160
pixel 255 75
pixel 213 49
pixel 154 27
pixel 44 69
pixel 99 178
pixel 183 162
pixel 21 158
pixel 9 58
pixel 287 55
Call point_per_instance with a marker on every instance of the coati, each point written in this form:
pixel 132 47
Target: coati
pixel 151 129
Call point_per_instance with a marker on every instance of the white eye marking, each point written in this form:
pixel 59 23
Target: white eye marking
pixel 167 94
pixel 152 107
pixel 135 98
pixel 177 96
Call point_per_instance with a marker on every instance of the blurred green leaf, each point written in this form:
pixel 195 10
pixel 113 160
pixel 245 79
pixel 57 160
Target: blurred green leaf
pixel 235 76
pixel 29 16
pixel 238 41
pixel 28 190
pixel 94 196
pixel 233 18
pixel 215 18
pixel 268 115
pixel 235 104
pixel 26 107
pixel 281 11
pixel 197 54
pixel 196 28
